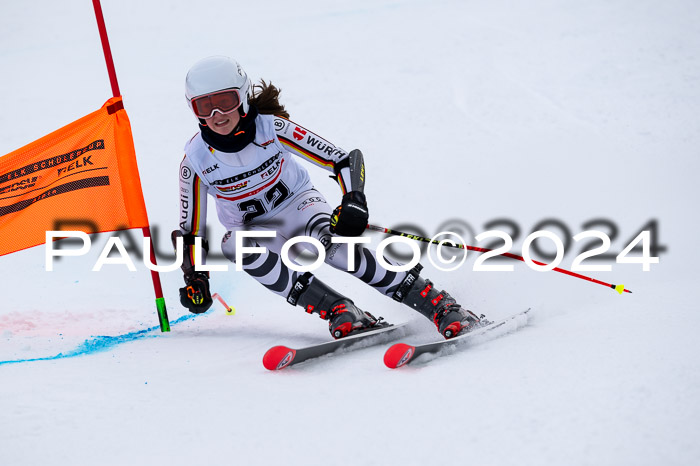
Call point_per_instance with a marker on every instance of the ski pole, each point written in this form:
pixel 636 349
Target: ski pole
pixel 619 288
pixel 229 310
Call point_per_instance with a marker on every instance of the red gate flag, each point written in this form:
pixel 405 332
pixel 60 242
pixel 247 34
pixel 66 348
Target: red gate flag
pixel 84 175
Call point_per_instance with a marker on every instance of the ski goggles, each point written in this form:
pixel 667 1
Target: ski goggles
pixel 225 101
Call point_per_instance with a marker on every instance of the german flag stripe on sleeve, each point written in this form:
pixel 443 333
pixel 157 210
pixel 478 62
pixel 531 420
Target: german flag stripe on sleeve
pixel 196 211
pixel 196 199
pixel 313 158
pixel 343 189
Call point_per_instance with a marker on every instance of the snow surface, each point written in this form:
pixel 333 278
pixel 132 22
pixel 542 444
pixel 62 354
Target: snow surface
pixel 464 110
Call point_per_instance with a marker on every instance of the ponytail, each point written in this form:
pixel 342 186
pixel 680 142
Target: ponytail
pixel 266 98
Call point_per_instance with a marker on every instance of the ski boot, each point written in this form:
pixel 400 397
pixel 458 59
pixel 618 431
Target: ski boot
pixel 341 313
pixel 448 316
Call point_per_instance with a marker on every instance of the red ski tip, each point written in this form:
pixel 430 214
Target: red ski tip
pixel 398 355
pixel 278 358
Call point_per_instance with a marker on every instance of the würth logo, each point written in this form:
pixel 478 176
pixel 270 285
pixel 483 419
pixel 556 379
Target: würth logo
pixel 299 133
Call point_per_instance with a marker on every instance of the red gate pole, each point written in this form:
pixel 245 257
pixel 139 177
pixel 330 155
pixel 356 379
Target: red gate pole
pixel 157 288
pixel 105 48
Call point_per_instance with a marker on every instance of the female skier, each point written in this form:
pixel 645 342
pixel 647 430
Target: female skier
pixel 245 156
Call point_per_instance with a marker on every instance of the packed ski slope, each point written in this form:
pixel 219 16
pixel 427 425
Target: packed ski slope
pixel 466 111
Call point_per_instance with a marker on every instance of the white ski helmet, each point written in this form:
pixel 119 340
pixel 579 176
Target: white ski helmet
pixel 217 73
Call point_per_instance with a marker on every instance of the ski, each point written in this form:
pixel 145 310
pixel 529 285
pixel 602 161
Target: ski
pixel 401 354
pixel 279 357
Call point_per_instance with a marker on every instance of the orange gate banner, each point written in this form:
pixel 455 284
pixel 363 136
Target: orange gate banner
pixel 82 177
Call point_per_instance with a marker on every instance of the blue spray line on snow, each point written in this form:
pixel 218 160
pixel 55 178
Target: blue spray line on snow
pixel 103 343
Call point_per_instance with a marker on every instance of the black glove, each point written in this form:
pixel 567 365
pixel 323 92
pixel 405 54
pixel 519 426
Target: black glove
pixel 196 296
pixel 350 217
